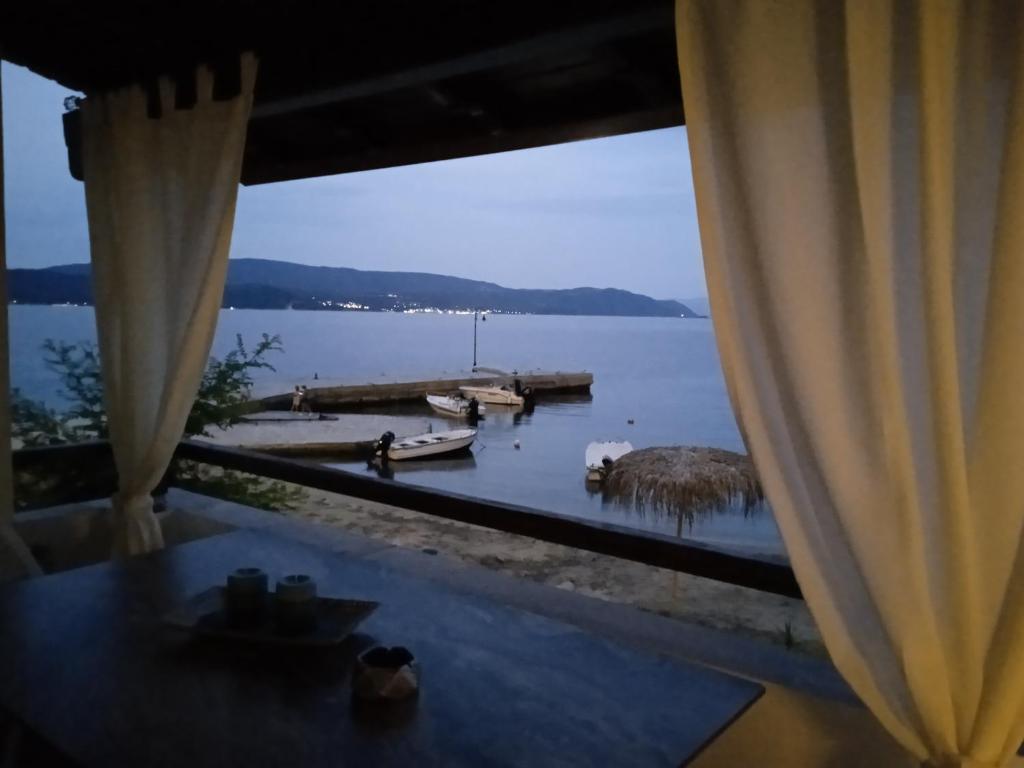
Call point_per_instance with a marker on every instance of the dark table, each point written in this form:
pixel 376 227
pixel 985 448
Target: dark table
pixel 86 665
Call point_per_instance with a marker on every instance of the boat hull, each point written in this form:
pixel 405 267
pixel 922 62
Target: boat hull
pixel 597 453
pixel 493 395
pixel 431 444
pixel 455 407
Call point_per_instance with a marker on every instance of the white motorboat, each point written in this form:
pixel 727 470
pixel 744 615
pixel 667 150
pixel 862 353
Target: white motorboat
pixel 459 407
pixel 493 394
pixel 429 444
pixel 601 455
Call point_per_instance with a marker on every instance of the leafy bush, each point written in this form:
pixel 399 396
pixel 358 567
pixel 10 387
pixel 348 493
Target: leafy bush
pixel 227 383
pixel 223 393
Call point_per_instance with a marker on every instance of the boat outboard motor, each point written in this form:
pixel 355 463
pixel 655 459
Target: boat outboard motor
pixel 524 392
pixel 383 444
pixel 473 410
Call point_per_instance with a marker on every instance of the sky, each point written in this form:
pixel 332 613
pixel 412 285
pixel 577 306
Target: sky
pixel 616 212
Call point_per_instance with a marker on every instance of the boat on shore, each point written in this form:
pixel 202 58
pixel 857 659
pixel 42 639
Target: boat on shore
pixel 421 446
pixel 492 393
pixel 600 457
pixel 459 407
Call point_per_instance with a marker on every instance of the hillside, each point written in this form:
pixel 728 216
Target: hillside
pixel 266 284
pixel 698 304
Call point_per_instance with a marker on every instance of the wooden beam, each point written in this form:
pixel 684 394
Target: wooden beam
pixel 257 172
pixel 576 37
pixel 607 539
pixel 58 456
pixel 604 538
pixel 6 467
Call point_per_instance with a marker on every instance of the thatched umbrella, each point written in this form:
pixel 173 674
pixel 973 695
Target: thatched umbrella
pixel 685 480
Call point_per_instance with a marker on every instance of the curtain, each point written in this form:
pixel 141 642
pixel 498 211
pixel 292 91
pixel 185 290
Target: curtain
pixel 859 173
pixel 160 195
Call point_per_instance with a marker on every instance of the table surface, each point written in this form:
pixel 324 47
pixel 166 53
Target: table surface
pixel 86 663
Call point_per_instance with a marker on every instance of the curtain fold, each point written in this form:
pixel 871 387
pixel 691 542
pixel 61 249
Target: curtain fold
pixel 160 196
pixel 859 172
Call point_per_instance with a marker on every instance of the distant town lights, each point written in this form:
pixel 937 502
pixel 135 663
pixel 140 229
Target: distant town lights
pixel 439 311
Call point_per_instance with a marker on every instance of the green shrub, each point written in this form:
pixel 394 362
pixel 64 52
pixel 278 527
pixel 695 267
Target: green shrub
pixel 223 394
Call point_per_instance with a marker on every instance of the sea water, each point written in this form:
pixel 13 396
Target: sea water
pixel 661 374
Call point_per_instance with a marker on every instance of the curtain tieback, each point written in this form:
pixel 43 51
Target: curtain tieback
pixel 129 506
pixel 136 528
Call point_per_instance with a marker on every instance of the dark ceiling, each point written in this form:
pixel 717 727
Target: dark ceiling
pixel 350 86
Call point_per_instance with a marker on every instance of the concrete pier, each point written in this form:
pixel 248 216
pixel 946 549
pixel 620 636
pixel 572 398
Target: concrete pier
pixel 357 395
pixel 285 434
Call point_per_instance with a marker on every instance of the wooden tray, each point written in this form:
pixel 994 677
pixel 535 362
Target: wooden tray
pixel 203 615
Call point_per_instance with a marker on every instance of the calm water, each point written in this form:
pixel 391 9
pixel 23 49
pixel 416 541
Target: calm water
pixel 661 372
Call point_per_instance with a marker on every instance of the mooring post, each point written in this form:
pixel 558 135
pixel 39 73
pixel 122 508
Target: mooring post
pixel 476 314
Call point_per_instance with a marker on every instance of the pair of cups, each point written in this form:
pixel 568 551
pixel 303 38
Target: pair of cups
pixel 294 601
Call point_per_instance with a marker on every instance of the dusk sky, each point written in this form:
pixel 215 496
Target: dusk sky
pixel 615 212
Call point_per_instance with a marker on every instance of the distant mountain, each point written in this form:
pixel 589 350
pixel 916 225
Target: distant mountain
pixel 700 305
pixel 48 286
pixel 266 284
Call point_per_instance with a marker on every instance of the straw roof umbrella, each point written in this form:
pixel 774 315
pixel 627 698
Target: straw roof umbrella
pixel 685 480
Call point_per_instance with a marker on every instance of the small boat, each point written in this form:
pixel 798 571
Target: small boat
pixel 460 407
pixel 494 394
pixel 600 457
pixel 429 444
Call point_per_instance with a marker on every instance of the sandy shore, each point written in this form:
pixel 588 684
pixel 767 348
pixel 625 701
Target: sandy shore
pixel 703 601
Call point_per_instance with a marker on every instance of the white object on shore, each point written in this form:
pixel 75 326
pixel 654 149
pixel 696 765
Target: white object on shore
pixel 452 406
pixel 601 455
pixel 493 394
pixel 431 444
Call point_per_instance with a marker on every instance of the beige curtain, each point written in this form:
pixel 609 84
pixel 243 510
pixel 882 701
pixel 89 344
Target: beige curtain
pixel 859 171
pixel 160 194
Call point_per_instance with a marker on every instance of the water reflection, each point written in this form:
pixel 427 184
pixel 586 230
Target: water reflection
pixel 538 460
pixel 463 460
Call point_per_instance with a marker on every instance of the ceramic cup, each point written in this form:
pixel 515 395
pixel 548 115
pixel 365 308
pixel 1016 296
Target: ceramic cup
pixel 385 685
pixel 245 597
pixel 295 604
